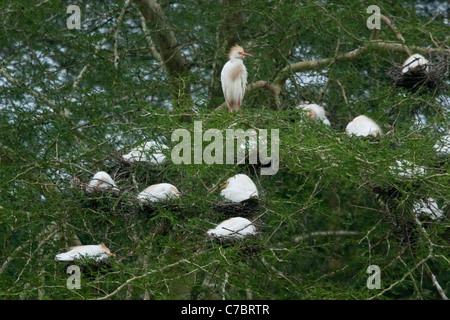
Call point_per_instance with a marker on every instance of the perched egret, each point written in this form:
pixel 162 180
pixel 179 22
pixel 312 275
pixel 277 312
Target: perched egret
pixel 415 63
pixel 314 111
pixel 363 126
pixel 101 182
pixel 233 228
pixel 99 252
pixel 239 188
pixel 234 78
pixel 158 192
pixel 152 152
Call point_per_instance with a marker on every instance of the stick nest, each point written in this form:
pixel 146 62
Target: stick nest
pixel 243 209
pixel 432 77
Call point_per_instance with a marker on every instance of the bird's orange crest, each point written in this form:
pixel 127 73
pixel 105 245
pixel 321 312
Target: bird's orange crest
pixel 235 48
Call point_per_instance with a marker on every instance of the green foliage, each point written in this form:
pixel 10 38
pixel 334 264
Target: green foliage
pixel 333 208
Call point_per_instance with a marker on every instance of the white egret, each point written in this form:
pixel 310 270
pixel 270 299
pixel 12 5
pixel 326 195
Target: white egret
pixel 239 188
pixel 233 228
pixel 234 78
pixel 100 182
pixel 363 126
pixel 99 252
pixel 158 192
pixel 315 112
pixel 415 63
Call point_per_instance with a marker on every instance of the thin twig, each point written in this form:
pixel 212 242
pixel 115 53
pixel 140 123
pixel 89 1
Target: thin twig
pixel 34 93
pixel 436 283
pixel 339 233
pixel 116 34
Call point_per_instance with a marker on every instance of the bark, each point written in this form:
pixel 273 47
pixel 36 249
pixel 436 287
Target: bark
pixel 164 37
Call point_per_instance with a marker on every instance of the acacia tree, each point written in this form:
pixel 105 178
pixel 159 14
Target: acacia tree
pixel 75 100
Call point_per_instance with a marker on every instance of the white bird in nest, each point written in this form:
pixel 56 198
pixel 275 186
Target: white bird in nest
pixel 158 192
pixel 99 252
pixel 152 152
pixel 101 181
pixel 363 126
pixel 239 188
pixel 415 63
pixel 233 228
pixel 234 78
pixel 428 207
pixel 315 112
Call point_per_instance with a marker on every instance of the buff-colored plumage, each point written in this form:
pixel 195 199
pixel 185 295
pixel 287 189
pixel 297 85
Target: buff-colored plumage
pixel 101 181
pixel 234 78
pixel 99 252
pixel 315 112
pixel 239 188
pixel 158 192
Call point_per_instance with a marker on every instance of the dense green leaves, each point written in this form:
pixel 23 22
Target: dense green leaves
pixel 334 207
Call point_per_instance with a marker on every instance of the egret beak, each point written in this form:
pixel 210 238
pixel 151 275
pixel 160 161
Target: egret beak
pixel 246 54
pixel 224 186
pixel 110 254
pixel 176 192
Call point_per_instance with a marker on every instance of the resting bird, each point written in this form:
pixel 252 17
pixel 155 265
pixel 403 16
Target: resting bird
pixel 415 63
pixel 239 188
pixel 314 111
pixel 101 182
pixel 158 192
pixel 99 252
pixel 363 126
pixel 234 78
pixel 233 228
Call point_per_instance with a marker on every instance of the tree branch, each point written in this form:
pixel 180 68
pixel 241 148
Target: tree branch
pixel 34 93
pixel 436 283
pixel 338 233
pixel 116 34
pixel 169 48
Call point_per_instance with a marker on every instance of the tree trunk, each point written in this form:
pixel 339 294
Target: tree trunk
pixel 175 65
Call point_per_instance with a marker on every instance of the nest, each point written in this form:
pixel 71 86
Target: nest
pixel 243 209
pixel 431 77
pixel 248 246
pixel 163 205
